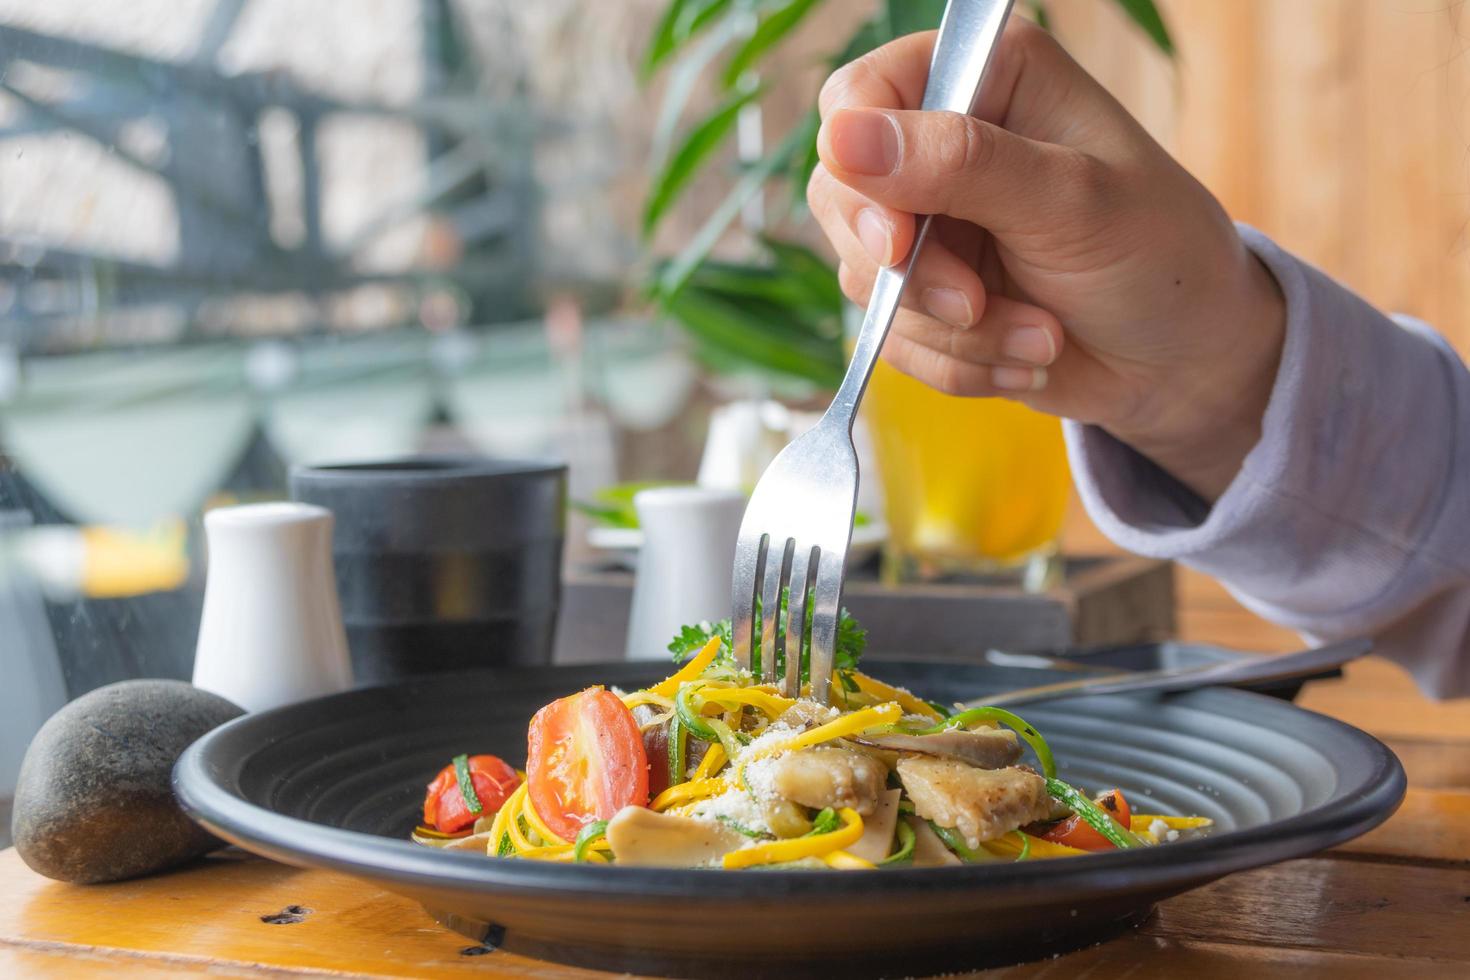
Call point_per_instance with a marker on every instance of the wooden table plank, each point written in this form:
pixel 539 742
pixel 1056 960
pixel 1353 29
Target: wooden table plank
pixel 212 913
pixel 1431 825
pixel 1358 907
pixel 1138 956
pixel 76 963
pixel 1433 763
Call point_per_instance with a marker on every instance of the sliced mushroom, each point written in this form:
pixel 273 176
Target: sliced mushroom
pixel 877 839
pixel 805 714
pixel 982 804
pixel 929 850
pixel 987 748
pixel 834 777
pixel 644 838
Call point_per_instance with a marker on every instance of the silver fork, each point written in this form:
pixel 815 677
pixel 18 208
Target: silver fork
pixel 798 523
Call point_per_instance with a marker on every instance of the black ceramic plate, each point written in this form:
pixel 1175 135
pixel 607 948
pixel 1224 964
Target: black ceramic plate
pixel 335 783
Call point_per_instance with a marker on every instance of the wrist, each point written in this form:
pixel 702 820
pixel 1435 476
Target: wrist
pixel 1207 417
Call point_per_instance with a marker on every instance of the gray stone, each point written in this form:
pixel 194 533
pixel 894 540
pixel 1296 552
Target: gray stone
pixel 94 801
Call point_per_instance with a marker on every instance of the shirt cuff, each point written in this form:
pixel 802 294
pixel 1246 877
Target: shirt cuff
pixel 1141 507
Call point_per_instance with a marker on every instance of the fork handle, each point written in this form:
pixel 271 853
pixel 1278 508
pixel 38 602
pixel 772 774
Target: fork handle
pixel 968 35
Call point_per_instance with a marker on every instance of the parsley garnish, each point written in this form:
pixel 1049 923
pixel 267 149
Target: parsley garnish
pixel 852 639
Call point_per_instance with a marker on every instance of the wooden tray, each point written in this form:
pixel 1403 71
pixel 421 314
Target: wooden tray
pixel 1101 601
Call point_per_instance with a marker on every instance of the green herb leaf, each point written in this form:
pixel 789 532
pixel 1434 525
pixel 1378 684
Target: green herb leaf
pixel 771 31
pixel 852 640
pixel 466 784
pixel 703 140
pixel 692 639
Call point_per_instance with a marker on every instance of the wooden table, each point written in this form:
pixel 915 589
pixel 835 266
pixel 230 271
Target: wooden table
pixel 1393 904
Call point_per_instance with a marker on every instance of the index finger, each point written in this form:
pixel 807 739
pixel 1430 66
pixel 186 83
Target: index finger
pixel 894 75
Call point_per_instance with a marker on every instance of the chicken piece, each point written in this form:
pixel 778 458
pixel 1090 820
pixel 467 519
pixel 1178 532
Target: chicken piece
pixel 644 838
pixel 982 804
pixel 988 748
pixel 929 850
pixel 877 839
pixel 832 777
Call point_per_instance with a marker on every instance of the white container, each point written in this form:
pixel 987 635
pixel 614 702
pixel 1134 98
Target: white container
pixel 685 563
pixel 271 632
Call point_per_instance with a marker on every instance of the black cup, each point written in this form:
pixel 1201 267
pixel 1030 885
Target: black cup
pixel 443 562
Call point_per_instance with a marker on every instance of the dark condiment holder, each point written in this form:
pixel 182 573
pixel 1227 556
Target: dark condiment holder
pixel 443 562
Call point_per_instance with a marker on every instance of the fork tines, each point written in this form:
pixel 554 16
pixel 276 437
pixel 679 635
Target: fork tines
pixel 783 567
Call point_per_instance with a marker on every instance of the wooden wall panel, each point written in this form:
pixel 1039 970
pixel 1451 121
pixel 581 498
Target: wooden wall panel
pixel 1340 127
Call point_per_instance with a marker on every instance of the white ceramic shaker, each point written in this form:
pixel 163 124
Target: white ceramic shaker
pixel 271 632
pixel 684 565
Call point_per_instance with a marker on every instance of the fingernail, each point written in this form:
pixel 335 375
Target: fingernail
pixel 876 236
pixel 949 305
pixel 864 141
pixel 1031 345
pixel 1018 378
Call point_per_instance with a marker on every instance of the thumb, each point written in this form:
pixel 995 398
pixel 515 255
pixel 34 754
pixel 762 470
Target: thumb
pixel 948 163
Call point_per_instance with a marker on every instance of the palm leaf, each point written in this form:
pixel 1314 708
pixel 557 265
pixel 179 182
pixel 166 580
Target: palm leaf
pixel 674 275
pixel 816 276
pixel 1146 15
pixel 771 31
pixel 683 80
pixel 685 163
pixel 682 19
pixel 744 334
pixel 908 16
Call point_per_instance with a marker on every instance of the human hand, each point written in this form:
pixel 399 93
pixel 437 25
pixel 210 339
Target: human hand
pixel 1073 265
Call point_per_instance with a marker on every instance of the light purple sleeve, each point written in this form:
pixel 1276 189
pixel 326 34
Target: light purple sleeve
pixel 1351 516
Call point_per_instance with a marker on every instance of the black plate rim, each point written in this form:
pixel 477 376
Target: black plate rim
pixel 1367 801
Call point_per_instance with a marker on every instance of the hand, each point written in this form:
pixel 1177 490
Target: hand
pixel 1073 265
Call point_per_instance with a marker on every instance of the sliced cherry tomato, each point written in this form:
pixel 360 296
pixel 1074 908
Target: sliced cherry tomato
pixel 445 808
pixel 585 761
pixel 1075 832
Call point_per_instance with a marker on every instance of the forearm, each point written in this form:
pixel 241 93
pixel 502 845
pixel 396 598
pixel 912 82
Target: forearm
pixel 1350 514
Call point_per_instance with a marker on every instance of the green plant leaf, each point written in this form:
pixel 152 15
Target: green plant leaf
pixel 671 277
pixel 1040 15
pixel 815 275
pixel 1147 16
pixel 771 30
pixel 683 80
pixel 682 19
pixel 753 338
pixel 909 16
pixel 697 146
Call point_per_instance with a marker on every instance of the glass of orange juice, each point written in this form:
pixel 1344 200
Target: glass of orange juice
pixel 970 485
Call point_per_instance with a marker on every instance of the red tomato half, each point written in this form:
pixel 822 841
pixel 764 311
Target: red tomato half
pixel 585 761
pixel 1075 832
pixel 445 808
